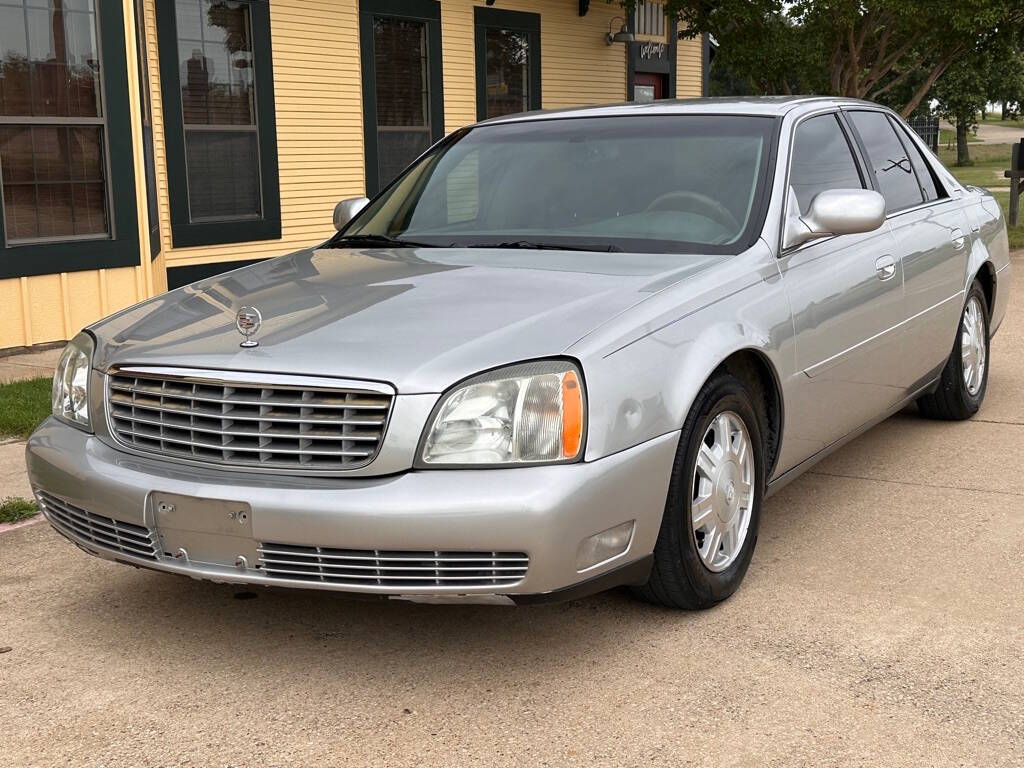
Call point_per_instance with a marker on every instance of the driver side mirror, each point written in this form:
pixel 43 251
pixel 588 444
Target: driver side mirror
pixel 833 212
pixel 347 209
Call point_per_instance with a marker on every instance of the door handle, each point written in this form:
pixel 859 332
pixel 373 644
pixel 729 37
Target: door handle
pixel 885 266
pixel 956 236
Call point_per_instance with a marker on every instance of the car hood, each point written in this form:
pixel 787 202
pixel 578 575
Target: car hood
pixel 420 319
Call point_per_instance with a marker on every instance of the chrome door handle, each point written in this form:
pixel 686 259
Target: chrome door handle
pixel 885 266
pixel 956 236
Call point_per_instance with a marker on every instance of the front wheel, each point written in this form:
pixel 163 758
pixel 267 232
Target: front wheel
pixel 964 379
pixel 709 527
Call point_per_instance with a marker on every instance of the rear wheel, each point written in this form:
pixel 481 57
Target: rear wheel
pixel 964 379
pixel 711 518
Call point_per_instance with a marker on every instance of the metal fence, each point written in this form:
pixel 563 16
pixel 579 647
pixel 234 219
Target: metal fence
pixel 928 129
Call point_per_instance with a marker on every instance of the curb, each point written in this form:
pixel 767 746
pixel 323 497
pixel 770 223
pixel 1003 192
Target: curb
pixel 6 527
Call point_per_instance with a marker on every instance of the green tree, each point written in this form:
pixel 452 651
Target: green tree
pixel 868 49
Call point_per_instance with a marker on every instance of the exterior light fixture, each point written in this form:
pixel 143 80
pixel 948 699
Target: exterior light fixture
pixel 622 36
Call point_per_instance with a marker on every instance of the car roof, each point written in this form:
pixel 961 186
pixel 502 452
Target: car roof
pixel 769 106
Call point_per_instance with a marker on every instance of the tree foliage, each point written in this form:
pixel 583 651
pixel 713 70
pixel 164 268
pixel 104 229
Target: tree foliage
pixel 892 51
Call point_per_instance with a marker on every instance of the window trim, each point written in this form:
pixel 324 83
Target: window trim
pixel 185 232
pixel 516 21
pixel 429 12
pixel 120 246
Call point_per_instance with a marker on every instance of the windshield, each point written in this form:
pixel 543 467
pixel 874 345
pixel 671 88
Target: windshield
pixel 662 183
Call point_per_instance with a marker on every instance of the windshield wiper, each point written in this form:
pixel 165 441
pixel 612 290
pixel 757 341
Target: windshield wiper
pixel 382 241
pixel 533 245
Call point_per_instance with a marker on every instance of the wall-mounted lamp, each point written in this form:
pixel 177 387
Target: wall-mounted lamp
pixel 622 36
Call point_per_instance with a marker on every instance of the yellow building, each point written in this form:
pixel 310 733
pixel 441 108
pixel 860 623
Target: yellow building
pixel 145 144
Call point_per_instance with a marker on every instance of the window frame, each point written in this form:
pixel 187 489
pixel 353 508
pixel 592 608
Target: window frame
pixel 429 13
pixel 846 131
pixel 119 247
pixel 185 232
pixel 515 21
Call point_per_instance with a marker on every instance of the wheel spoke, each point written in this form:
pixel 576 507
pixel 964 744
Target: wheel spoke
pixel 702 512
pixel 712 541
pixel 707 462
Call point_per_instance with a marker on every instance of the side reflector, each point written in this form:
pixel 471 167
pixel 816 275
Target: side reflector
pixel 604 545
pixel 572 415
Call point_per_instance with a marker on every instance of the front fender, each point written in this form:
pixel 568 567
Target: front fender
pixel 644 387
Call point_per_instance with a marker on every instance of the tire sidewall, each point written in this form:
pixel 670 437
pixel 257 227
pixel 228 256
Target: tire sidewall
pixel 724 394
pixel 972 402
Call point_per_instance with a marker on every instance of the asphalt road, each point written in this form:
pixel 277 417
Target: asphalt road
pixel 881 623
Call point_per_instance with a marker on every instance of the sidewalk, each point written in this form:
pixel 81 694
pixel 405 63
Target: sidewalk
pixel 29 365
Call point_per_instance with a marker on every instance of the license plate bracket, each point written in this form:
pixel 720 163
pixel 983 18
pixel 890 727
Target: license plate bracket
pixel 211 531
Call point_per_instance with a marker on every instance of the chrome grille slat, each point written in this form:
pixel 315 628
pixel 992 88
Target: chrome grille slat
pixel 101 531
pixel 393 568
pixel 221 420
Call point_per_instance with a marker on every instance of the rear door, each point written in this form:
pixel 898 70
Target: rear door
pixel 932 238
pixel 846 295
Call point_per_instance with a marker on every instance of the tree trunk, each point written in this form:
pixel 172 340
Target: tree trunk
pixel 963 156
pixel 1002 110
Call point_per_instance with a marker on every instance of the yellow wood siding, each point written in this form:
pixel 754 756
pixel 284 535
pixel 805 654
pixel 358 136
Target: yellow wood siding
pixel 689 68
pixel 577 65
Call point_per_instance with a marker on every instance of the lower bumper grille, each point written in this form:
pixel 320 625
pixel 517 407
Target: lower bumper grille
pixel 393 568
pixel 102 531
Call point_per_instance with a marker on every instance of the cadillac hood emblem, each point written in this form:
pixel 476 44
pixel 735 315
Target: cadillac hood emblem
pixel 248 322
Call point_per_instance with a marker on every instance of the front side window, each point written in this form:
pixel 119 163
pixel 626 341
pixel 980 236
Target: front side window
pixel 52 126
pixel 508 62
pixel 822 160
pixel 218 99
pixel 889 161
pixel 637 184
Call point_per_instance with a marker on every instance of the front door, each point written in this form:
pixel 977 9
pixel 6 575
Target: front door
pixel 846 295
pixel 649 86
pixel 403 106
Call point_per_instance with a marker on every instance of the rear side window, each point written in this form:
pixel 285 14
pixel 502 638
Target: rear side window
pixel 889 161
pixel 925 176
pixel 822 159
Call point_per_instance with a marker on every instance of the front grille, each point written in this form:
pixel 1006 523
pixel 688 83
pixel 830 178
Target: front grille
pixel 393 568
pixel 102 531
pixel 290 427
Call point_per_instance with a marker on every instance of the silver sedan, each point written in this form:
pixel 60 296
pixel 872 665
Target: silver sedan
pixel 562 352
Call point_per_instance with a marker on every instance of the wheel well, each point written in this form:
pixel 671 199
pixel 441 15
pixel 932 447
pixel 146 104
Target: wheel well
pixel 753 369
pixel 987 277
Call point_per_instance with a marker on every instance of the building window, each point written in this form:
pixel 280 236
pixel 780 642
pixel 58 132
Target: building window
pixel 63 102
pixel 507 62
pixel 52 129
pixel 215 64
pixel 649 19
pixel 403 98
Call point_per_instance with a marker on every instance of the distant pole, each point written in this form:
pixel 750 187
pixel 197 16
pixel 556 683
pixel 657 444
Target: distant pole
pixel 1016 177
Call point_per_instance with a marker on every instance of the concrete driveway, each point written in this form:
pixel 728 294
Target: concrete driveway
pixel 881 623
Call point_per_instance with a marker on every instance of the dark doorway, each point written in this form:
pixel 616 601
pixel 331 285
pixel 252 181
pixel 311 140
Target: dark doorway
pixel 649 86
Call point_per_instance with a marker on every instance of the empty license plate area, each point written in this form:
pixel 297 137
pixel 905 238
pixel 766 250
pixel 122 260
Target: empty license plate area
pixel 204 530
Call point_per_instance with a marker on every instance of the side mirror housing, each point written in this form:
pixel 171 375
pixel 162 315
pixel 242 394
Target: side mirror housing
pixel 833 212
pixel 347 209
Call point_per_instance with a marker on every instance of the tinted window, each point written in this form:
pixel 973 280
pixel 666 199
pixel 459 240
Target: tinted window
pixel 888 159
pixel 925 177
pixel 661 184
pixel 822 160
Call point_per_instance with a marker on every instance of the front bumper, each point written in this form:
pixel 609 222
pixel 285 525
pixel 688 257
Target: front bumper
pixel 544 512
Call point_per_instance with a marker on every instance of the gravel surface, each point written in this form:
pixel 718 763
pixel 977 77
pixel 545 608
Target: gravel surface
pixel 880 624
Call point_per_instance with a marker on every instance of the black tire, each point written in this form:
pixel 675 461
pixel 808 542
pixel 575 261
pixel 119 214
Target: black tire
pixel 952 400
pixel 679 578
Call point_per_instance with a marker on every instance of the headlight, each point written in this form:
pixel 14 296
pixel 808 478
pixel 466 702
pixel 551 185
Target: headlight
pixel 70 396
pixel 524 414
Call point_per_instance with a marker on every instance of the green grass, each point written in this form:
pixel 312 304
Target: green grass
pixel 23 406
pixel 993 119
pixel 990 160
pixel 947 138
pixel 15 509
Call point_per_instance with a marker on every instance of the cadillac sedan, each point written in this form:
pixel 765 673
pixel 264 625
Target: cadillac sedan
pixel 561 352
